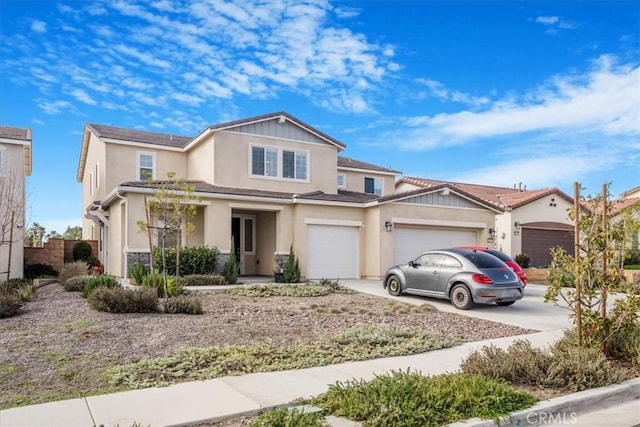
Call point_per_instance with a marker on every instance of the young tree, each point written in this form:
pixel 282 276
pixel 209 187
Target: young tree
pixel 585 280
pixel 168 214
pixel 73 233
pixel 53 235
pixel 35 235
pixel 12 208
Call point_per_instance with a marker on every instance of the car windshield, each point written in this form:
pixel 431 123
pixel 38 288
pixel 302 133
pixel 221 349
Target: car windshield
pixel 500 255
pixel 484 260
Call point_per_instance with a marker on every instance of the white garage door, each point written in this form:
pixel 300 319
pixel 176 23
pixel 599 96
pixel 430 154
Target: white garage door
pixel 408 243
pixel 332 252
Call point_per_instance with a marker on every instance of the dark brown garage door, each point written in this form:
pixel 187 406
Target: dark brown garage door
pixel 537 243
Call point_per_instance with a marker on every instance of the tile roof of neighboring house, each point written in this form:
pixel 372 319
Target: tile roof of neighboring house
pixel 630 191
pixel 204 187
pixel 22 134
pixel 346 162
pixel 134 135
pixel 622 204
pixel 270 116
pixel 502 197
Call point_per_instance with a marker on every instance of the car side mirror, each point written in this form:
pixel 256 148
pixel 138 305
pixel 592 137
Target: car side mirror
pixel 411 263
pixel 414 264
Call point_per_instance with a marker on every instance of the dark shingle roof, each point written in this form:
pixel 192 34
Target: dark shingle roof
pixel 346 162
pixel 22 134
pixel 204 187
pixel 134 135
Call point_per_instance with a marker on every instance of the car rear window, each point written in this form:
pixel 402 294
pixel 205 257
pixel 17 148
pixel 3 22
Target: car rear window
pixel 484 260
pixel 500 255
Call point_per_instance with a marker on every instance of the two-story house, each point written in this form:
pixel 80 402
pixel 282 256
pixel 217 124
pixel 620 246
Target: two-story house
pixel 15 166
pixel 269 183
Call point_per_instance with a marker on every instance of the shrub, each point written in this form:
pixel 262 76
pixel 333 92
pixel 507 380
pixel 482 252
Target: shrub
pixel 138 271
pixel 187 304
pixel 409 399
pixel 99 282
pixel 193 260
pixel 82 251
pixel 204 280
pixel 624 343
pixel 293 417
pixel 76 284
pixel 578 369
pixel 121 300
pixel 34 271
pixel 73 269
pixel 523 260
pixel 309 289
pixel 175 285
pixel 291 272
pixel 232 266
pixel 631 257
pixel 23 289
pixel 10 304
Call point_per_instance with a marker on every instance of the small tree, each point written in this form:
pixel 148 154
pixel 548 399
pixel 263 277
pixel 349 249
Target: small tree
pixel 168 213
pixel 12 208
pixel 291 273
pixel 35 235
pixel 73 233
pixel 232 266
pixel 594 275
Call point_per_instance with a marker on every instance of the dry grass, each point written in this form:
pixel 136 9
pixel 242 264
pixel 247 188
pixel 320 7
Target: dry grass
pixel 537 276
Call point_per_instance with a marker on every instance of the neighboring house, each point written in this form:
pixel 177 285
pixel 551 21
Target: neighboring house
pixel 526 221
pixel 628 202
pixel 269 183
pixel 15 166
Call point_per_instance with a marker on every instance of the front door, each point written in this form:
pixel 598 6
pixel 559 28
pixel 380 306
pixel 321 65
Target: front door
pixel 243 233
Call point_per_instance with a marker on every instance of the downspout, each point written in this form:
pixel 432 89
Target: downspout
pixel 125 246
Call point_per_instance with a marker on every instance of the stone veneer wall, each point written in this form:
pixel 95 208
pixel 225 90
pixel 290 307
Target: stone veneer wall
pixel 143 257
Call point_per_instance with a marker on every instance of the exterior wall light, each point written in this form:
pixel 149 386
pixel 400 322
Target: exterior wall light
pixel 388 225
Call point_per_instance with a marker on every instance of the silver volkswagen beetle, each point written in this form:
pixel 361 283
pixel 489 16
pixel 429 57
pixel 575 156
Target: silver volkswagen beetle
pixel 462 276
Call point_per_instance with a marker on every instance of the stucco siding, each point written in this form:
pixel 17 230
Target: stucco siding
pixel 122 164
pixel 200 161
pixel 354 181
pixel 13 181
pixel 95 155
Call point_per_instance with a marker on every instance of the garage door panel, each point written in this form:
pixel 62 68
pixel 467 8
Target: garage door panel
pixel 537 243
pixel 332 252
pixel 411 242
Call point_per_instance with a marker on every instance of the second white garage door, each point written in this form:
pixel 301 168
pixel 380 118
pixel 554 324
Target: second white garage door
pixel 332 252
pixel 408 243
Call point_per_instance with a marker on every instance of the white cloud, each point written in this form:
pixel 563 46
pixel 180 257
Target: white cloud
pixel 345 12
pixel 39 26
pixel 547 20
pixel 53 107
pixel 554 23
pixel 440 91
pixel 83 96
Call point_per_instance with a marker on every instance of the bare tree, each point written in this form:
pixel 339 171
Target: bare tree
pixel 12 208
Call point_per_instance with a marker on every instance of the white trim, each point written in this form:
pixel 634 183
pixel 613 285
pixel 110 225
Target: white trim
pixel 15 141
pixel 281 253
pixel 369 171
pixel 439 223
pixel 130 250
pixel 138 166
pixel 142 190
pixel 344 180
pixel 243 230
pixel 185 202
pixel 329 203
pixel 375 179
pixel 197 139
pixel 146 145
pixel 339 222
pixel 249 206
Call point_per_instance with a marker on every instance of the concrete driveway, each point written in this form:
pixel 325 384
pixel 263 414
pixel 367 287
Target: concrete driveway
pixel 529 312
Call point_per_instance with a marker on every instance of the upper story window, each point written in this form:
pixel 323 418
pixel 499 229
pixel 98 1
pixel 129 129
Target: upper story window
pixel 279 163
pixel 90 183
pixel 342 180
pixel 146 166
pixel 97 175
pixel 373 186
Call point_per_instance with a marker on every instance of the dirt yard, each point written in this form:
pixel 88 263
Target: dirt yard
pixel 59 347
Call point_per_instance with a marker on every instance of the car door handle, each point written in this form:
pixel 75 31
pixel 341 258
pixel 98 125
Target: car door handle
pixel 435 272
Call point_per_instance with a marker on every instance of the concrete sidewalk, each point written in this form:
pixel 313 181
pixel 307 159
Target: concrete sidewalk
pixel 221 398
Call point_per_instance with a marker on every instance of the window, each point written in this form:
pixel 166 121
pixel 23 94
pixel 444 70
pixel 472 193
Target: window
pixel 373 186
pixel 276 163
pixel 2 159
pixel 90 183
pixel 342 180
pixel 146 166
pixel 97 175
pixel 248 235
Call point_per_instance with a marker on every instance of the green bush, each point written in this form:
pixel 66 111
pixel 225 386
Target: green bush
pixel 193 260
pixel 175 285
pixel 82 251
pixel 411 399
pixel 34 271
pixel 187 304
pixel 10 304
pixel 624 343
pixel 232 266
pixel 121 300
pixel 103 281
pixel 291 272
pixel 73 269
pixel 204 280
pixel 76 284
pixel 564 366
pixel 523 260
pixel 292 417
pixel 631 257
pixel 138 271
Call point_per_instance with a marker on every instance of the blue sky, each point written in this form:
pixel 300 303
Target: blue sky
pixel 538 92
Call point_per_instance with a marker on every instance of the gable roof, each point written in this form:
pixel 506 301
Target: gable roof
pixel 622 204
pixel 346 162
pixel 24 138
pixel 135 135
pixel 504 198
pixel 397 197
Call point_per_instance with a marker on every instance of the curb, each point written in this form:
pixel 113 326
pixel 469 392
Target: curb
pixel 565 407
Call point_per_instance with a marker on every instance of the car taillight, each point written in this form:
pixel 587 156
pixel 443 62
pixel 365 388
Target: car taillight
pixel 481 278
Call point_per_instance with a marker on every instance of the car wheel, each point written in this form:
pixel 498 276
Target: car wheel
pixel 393 286
pixel 505 303
pixel 461 297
